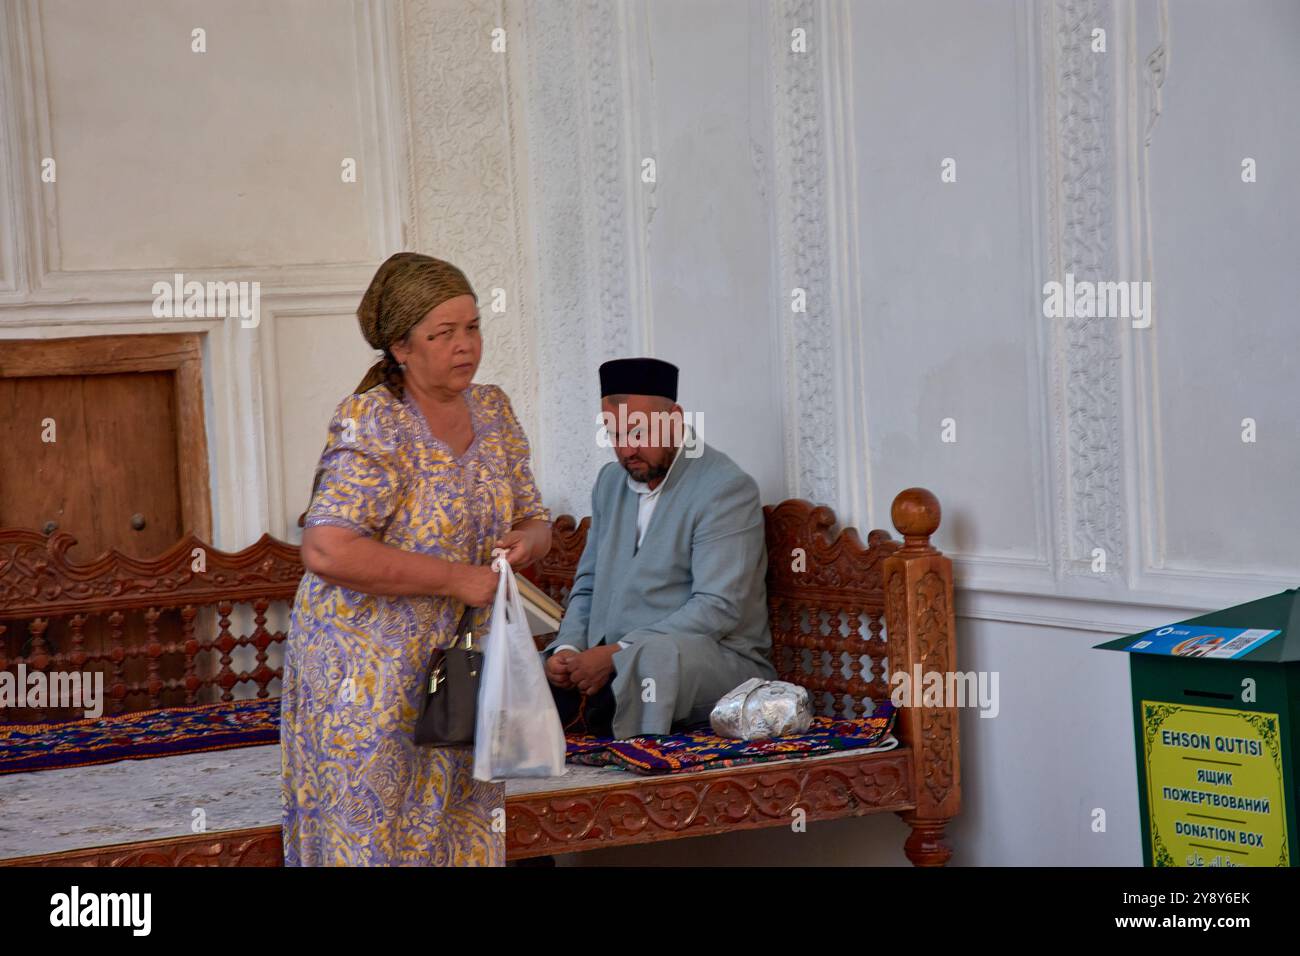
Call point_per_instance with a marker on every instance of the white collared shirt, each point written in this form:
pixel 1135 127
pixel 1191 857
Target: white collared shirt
pixel 647 498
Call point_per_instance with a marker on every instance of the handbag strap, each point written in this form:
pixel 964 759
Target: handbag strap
pixel 465 628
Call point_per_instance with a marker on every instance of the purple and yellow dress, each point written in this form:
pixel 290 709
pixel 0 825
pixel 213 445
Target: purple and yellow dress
pixel 355 788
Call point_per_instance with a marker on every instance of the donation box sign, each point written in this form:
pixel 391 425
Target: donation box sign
pixel 1215 790
pixel 1216 732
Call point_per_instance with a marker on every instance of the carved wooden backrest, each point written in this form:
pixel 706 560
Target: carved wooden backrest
pixel 825 595
pixel 827 606
pixel 194 625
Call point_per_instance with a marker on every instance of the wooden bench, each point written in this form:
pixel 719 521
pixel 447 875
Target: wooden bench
pixel 844 616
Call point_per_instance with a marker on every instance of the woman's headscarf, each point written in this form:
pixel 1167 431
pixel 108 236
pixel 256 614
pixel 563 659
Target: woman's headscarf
pixel 402 292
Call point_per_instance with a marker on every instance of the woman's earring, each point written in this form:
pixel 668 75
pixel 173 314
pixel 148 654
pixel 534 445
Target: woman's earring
pixel 401 366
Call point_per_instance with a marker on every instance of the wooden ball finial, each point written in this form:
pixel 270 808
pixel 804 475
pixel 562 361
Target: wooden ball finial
pixel 916 515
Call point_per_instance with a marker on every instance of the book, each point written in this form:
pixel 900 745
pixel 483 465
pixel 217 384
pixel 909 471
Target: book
pixel 544 614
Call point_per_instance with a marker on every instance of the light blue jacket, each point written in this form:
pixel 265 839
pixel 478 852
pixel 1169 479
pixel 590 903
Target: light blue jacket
pixel 700 570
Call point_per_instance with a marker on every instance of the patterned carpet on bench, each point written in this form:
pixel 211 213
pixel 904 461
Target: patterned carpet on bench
pixel 700 749
pixel 139 736
pixel 252 723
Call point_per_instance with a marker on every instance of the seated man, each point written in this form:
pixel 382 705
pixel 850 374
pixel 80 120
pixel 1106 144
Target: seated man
pixel 668 610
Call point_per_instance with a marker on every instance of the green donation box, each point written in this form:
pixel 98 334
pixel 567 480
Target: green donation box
pixel 1216 712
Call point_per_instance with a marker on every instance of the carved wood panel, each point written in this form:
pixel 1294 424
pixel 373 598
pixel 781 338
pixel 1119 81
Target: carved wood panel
pixel 253 847
pixel 743 798
pixel 190 626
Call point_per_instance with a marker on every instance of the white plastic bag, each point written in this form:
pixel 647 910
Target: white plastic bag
pixel 518 733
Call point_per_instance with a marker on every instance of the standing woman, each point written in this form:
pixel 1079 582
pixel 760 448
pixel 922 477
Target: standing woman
pixel 423 474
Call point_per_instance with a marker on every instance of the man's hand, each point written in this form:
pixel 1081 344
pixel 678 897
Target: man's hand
pixel 591 669
pixel 557 668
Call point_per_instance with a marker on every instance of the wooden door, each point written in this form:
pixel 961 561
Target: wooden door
pixel 103 438
pixel 94 455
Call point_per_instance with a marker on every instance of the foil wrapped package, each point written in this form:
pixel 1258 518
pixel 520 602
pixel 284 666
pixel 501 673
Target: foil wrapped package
pixel 759 709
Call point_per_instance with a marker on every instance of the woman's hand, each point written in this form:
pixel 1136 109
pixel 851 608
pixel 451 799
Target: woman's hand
pixel 474 585
pixel 518 548
pixel 526 543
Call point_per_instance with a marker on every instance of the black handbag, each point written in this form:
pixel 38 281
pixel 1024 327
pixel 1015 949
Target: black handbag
pixel 450 708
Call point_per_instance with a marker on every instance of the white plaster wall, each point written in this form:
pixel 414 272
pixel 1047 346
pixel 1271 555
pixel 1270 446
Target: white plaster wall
pixel 1060 748
pixel 708 246
pixel 945 272
pixel 680 268
pixel 315 357
pixel 173 159
pixel 1224 267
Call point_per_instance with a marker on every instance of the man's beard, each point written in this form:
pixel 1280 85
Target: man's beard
pixel 649 472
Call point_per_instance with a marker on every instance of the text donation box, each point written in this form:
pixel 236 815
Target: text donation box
pixel 1216 704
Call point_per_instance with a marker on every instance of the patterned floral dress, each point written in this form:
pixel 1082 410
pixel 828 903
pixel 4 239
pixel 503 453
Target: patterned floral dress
pixel 355 789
